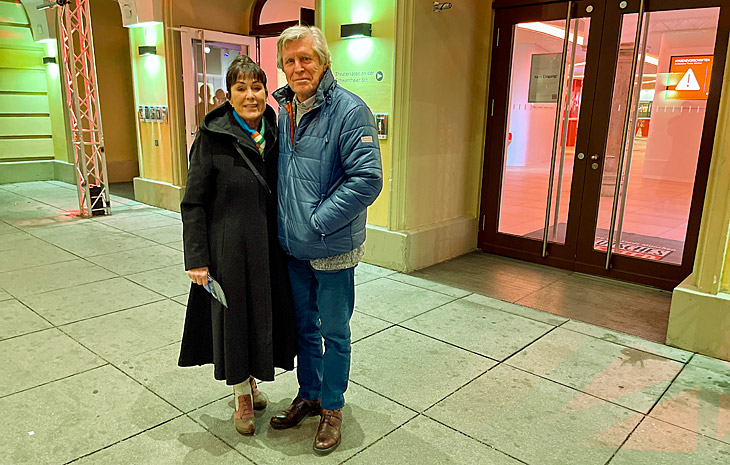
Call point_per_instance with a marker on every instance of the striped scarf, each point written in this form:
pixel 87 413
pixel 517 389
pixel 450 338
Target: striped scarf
pixel 258 139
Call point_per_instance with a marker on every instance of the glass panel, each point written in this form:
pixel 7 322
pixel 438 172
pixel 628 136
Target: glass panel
pixel 663 140
pixel 218 56
pixel 534 84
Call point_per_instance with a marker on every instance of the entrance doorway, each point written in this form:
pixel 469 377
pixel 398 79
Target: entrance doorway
pixel 601 123
pixel 206 56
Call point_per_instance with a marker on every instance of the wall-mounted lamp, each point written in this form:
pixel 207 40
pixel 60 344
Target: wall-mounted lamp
pixel 437 6
pixel 49 60
pixel 147 50
pixel 352 31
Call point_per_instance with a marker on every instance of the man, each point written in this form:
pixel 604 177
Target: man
pixel 329 173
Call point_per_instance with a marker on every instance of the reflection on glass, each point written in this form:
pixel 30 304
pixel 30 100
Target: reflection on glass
pixel 211 63
pixel 663 140
pixel 534 86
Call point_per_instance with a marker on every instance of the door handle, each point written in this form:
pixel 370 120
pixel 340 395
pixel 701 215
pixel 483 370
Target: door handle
pixel 556 129
pixel 595 157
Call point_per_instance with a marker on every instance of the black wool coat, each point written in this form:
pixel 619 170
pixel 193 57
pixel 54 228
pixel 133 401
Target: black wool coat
pixel 229 225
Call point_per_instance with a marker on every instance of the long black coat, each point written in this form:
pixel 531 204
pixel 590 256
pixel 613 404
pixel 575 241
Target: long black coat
pixel 229 225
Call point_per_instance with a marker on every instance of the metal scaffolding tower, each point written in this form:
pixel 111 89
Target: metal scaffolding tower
pixel 82 97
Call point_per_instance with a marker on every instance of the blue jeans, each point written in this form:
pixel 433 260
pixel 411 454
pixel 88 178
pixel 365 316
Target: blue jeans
pixel 324 301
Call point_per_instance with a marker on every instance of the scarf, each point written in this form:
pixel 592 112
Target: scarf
pixel 258 139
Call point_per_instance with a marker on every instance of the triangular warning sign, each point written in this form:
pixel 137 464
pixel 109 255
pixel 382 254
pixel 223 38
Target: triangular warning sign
pixel 688 81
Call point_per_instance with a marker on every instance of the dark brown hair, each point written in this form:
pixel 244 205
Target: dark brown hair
pixel 244 66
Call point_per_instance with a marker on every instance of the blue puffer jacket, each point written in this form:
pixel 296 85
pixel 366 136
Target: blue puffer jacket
pixel 329 172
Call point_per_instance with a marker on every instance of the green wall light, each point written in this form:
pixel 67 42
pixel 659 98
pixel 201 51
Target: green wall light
pixel 355 30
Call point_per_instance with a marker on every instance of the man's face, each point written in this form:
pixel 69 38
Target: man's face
pixel 302 67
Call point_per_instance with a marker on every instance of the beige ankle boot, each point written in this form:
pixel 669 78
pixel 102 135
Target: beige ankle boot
pixel 244 418
pixel 259 398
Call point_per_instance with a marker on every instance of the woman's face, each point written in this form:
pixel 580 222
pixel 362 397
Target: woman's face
pixel 248 98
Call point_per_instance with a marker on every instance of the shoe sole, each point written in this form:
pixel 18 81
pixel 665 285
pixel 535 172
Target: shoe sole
pixel 277 426
pixel 326 451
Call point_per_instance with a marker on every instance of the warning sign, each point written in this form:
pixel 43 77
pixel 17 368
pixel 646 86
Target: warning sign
pixel 689 77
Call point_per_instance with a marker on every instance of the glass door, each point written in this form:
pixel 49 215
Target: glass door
pixel 542 83
pixel 653 126
pixel 600 129
pixel 206 57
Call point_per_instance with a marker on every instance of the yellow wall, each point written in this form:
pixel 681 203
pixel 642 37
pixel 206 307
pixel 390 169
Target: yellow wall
pixel 356 63
pixel 28 123
pixel 215 15
pixel 699 317
pixel 447 112
pixel 116 94
pixel 150 88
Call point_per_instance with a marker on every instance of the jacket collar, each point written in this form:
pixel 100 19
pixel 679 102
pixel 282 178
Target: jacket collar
pixel 284 95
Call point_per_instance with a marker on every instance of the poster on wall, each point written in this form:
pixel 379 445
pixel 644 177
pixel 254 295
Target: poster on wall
pixel 689 77
pixel 544 77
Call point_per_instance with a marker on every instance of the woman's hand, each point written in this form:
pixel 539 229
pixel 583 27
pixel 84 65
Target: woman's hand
pixel 199 275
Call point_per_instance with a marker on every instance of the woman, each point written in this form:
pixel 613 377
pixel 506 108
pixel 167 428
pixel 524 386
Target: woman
pixel 229 234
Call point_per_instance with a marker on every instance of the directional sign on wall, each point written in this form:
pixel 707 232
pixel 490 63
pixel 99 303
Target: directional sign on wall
pixel 689 77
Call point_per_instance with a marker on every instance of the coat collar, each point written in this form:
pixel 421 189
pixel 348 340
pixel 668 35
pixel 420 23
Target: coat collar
pixel 221 121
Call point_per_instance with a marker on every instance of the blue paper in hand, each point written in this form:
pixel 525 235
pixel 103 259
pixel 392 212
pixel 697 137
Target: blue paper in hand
pixel 216 291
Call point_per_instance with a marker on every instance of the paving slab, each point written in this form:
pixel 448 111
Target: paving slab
pixel 414 370
pixel 17 319
pixel 179 441
pixel 84 301
pixel 536 420
pixel 75 416
pixel 395 301
pixel 699 401
pixel 657 442
pixel 424 441
pixel 626 376
pixel 139 260
pixel 41 357
pixel 169 281
pixel 124 334
pixel 478 328
pixel 186 388
pixel 32 281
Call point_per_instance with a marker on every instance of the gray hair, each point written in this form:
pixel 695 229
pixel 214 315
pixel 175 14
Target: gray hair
pixel 294 33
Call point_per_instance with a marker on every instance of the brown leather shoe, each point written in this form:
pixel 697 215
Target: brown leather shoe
pixel 299 409
pixel 329 432
pixel 259 398
pixel 244 418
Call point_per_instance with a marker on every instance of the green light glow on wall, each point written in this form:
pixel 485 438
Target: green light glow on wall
pixel 152 64
pixel 50 46
pixel 151 33
pixel 53 70
pixel 361 11
pixel 360 50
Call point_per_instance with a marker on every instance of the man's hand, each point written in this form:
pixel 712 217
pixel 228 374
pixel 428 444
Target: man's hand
pixel 199 275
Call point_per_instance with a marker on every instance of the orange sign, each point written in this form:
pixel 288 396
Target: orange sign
pixel 689 77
